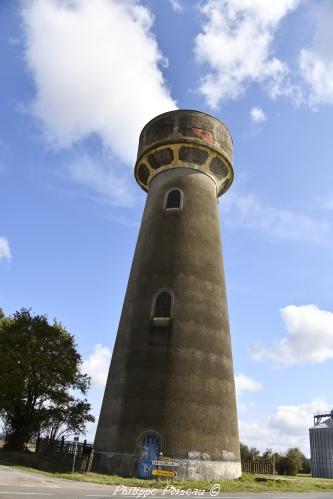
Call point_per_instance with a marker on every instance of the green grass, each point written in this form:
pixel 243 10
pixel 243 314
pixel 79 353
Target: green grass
pixel 247 483
pixel 32 461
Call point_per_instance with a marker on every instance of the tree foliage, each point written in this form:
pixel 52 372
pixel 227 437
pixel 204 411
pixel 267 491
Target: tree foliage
pixel 290 462
pixel 248 453
pixel 68 416
pixel 39 370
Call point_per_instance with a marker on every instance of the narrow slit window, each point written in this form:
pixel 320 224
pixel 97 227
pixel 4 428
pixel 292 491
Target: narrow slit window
pixel 173 199
pixel 163 305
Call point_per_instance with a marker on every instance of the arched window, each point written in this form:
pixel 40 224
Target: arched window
pixel 173 200
pixel 162 309
pixel 163 305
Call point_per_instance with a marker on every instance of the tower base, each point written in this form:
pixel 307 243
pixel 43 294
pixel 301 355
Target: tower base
pixel 190 469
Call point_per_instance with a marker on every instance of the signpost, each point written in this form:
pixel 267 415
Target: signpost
pixel 76 439
pixel 165 463
pixel 166 473
pixel 162 463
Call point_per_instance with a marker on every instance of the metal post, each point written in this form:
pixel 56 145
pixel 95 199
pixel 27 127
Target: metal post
pixel 160 457
pixel 76 439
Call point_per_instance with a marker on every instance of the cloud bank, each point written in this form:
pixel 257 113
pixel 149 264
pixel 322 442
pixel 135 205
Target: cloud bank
pixel 236 44
pixel 108 179
pixel 288 426
pixel 245 383
pixel 316 62
pixel 309 338
pixel 97 365
pixel 246 212
pixel 96 67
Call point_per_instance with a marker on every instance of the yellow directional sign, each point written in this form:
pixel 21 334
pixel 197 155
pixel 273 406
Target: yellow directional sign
pixel 169 474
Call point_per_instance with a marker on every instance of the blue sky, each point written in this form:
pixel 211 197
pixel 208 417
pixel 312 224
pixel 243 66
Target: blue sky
pixel 79 80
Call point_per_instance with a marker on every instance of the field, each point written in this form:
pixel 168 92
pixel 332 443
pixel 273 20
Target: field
pixel 247 483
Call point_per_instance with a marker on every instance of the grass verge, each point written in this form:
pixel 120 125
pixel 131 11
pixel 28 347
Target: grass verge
pixel 247 483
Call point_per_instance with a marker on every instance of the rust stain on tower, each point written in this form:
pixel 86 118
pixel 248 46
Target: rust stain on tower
pixel 170 387
pixel 207 136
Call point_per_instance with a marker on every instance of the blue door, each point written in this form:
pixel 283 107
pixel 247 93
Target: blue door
pixel 148 452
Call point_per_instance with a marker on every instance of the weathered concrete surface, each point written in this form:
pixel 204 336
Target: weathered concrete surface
pixel 186 126
pixel 176 381
pixel 185 138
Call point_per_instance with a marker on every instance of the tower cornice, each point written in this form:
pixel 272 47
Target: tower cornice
pixel 185 139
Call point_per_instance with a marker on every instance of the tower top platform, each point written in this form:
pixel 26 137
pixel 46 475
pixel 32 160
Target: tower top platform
pixel 185 139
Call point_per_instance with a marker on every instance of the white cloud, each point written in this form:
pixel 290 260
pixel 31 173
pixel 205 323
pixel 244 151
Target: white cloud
pixel 257 115
pixel 261 435
pixel 5 252
pixel 236 43
pixel 96 69
pixel 245 383
pixel 291 419
pixel 176 5
pixel 109 181
pixel 309 337
pixel 97 365
pixel 287 426
pixel 316 62
pixel 247 212
pixel 319 76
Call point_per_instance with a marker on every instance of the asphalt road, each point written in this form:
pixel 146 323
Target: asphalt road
pixel 25 485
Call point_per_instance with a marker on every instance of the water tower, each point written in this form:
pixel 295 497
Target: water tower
pixel 170 386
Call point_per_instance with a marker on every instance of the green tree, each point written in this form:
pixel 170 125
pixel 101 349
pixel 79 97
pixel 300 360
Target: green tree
pixel 305 465
pixel 39 369
pixel 267 454
pixel 244 452
pixel 248 453
pixel 294 461
pixel 291 462
pixel 69 416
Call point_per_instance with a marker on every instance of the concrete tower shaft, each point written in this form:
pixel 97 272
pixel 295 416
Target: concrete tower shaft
pixel 171 375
